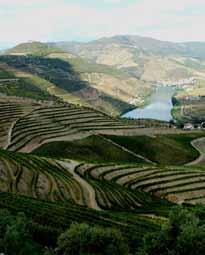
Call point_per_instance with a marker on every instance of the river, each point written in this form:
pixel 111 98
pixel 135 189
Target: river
pixel 159 106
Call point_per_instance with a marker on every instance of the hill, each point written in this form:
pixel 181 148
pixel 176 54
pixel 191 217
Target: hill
pixel 145 58
pixel 118 73
pixel 62 163
pixel 59 78
pixel 34 48
pixel 154 61
pixel 121 176
pixel 102 86
pixel 147 44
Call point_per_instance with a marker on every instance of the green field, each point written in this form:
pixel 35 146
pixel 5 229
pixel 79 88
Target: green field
pixel 91 149
pixel 6 74
pixel 24 88
pixel 62 171
pixel 100 180
pixel 162 149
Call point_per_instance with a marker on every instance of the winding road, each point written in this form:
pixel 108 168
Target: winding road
pixel 199 145
pixel 88 189
pixel 10 134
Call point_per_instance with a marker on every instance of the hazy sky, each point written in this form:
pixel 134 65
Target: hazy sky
pixel 60 20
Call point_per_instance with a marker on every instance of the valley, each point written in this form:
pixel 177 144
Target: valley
pixel 95 133
pixel 115 75
pixel 158 106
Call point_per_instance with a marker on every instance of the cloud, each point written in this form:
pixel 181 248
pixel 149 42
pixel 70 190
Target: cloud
pixel 113 1
pixel 44 20
pixel 24 2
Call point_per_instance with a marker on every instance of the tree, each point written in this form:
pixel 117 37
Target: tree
pixel 84 239
pixel 183 235
pixel 15 236
pixel 49 251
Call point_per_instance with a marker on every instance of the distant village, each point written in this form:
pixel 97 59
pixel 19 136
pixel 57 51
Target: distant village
pixel 181 82
pixel 191 126
pixel 188 126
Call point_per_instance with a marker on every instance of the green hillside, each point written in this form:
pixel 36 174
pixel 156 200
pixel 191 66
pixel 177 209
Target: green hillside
pixel 24 88
pixel 91 149
pixel 58 169
pixel 162 149
pixel 63 76
pixel 75 178
pixel 33 48
pixel 6 74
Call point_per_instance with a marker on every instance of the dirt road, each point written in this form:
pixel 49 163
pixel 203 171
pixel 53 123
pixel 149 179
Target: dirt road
pixel 87 188
pixel 199 145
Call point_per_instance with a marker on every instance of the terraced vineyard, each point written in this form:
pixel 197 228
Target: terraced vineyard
pixel 54 180
pixel 11 109
pixel 26 125
pixel 58 215
pixel 62 80
pixel 61 163
pixel 176 184
pixel 38 178
pixel 59 121
pixel 67 157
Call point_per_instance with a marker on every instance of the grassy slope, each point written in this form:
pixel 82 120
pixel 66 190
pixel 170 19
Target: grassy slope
pixel 25 88
pixel 35 48
pixel 91 149
pixel 66 79
pixel 6 74
pixel 83 66
pixel 164 149
pixel 57 216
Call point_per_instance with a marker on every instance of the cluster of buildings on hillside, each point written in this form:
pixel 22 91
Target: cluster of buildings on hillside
pixel 187 81
pixel 194 98
pixel 190 126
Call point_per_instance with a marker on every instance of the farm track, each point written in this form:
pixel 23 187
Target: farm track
pixel 9 134
pixel 87 188
pixel 32 126
pixel 199 145
pixel 98 186
pixel 41 178
pixel 127 150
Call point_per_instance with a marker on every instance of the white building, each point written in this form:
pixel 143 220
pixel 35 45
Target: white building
pixel 188 126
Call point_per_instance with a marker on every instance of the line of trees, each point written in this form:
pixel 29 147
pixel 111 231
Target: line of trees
pixel 183 234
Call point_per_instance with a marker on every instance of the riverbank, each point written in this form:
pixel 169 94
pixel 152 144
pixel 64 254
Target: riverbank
pixel 159 105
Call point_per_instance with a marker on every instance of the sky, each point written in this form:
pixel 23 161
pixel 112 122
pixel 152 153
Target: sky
pixel 84 20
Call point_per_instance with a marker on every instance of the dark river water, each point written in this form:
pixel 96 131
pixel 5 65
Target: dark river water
pixel 159 106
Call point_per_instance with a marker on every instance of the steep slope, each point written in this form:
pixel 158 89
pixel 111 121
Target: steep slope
pixel 138 56
pixel 34 48
pixel 117 73
pixel 189 104
pixel 59 78
pixel 176 184
pixel 144 44
pixel 152 61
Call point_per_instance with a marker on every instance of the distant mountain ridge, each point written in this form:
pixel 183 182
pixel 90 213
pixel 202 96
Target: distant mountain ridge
pixel 144 58
pixel 120 71
pixel 147 44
